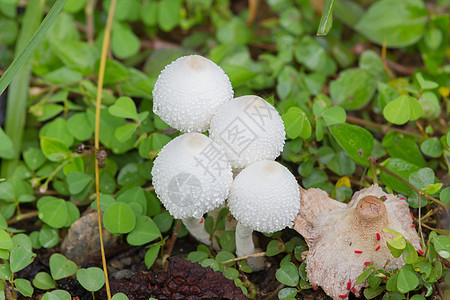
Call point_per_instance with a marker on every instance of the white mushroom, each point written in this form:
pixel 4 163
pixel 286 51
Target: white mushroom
pixel 344 238
pixel 189 92
pixel 192 176
pixel 249 129
pixel 263 197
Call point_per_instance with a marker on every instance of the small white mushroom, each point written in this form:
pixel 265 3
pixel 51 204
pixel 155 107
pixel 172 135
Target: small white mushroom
pixel 344 238
pixel 192 176
pixel 189 91
pixel 263 197
pixel 249 129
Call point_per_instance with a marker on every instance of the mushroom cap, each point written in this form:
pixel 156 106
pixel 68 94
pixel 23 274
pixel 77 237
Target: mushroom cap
pixel 342 237
pixel 191 175
pixel 249 129
pixel 265 197
pixel 189 91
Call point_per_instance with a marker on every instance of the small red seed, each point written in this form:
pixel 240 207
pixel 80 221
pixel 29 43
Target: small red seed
pixel 201 221
pixel 421 252
pixel 412 216
pixel 314 287
pixel 367 263
pixel 377 248
pixel 402 198
pixel 358 251
pixel 378 236
pixel 329 196
pixel 413 225
pixel 353 291
pixel 342 296
pixel 349 285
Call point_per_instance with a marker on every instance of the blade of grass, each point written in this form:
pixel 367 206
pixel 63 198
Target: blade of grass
pixel 32 44
pixel 101 75
pixel 326 21
pixel 20 69
pixel 18 91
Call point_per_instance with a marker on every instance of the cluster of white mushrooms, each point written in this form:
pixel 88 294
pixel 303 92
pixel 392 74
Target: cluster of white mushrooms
pixel 193 173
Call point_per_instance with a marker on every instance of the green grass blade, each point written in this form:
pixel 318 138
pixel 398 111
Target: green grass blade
pixel 28 50
pixel 326 21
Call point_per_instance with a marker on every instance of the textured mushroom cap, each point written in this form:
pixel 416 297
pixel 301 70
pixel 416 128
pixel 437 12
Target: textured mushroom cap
pixel 189 92
pixel 334 231
pixel 265 197
pixel 191 175
pixel 249 129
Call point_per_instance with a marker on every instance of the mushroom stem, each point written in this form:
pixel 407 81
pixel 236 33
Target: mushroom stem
pixel 245 246
pixel 196 228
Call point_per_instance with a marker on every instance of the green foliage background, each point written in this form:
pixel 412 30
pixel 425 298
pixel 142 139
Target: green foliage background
pixel 343 101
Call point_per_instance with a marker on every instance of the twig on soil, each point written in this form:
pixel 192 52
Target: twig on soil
pixel 382 127
pixel 245 257
pixel 172 243
pixel 252 9
pixel 21 217
pixel 275 292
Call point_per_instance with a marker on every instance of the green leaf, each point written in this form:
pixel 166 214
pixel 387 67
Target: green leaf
pixel 371 293
pixel 53 212
pixel 7 191
pixel 61 267
pixel 57 295
pixel 197 256
pixel 287 274
pixel 151 255
pixel 410 254
pixel 228 241
pixel 274 247
pixel 444 196
pixel 124 107
pixel 125 132
pixel 168 14
pixel 402 109
pixel 422 178
pixel 401 168
pixel 77 181
pixel 57 129
pixel 296 123
pixel 442 245
pixel 5 240
pixel 54 149
pixel 44 281
pixel 396 242
pixel 400 23
pixel 144 232
pixel 334 115
pixel 364 276
pixel 407 279
pixel 34 158
pixel 92 279
pixel 426 84
pixel 353 89
pixel 79 127
pixel 20 257
pixel 24 287
pixel 326 21
pixel 124 43
pixel 121 296
pixel 6 145
pixel 119 218
pixel 287 294
pixel 356 141
pixel 432 147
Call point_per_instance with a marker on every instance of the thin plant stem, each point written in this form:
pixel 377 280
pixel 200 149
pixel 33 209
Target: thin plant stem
pixel 18 76
pixel 374 172
pixel 101 76
pixel 383 59
pixel 244 257
pixel 382 127
pixel 419 192
pixel 172 242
